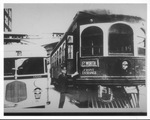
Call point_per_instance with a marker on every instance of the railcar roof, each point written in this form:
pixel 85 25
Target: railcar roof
pixel 103 16
pixel 106 15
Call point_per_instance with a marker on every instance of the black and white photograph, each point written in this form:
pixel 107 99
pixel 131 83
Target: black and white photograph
pixel 66 59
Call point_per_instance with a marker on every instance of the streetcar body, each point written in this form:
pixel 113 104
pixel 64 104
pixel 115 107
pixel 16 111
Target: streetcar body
pixel 25 77
pixel 100 48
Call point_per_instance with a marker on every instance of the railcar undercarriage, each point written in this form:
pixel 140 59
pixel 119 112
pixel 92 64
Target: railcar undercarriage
pixel 105 96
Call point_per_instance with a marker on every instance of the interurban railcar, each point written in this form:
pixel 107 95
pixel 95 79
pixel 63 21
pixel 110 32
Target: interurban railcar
pixel 26 79
pixel 102 50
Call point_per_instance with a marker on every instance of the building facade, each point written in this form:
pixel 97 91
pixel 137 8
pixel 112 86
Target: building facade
pixel 7 20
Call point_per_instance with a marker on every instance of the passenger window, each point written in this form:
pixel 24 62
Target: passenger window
pixel 30 66
pixel 141 42
pixel 60 53
pixel 120 39
pixel 57 58
pixel 70 39
pixel 9 66
pixel 70 46
pixel 63 52
pixel 92 41
pixel 70 51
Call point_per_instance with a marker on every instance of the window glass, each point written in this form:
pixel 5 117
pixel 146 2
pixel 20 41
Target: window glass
pixel 70 39
pixel 63 46
pixel 54 59
pixel 120 39
pixel 30 66
pixel 60 55
pixel 141 39
pixel 92 41
pixel 57 57
pixel 9 66
pixel 70 51
pixel 63 52
pixel 23 66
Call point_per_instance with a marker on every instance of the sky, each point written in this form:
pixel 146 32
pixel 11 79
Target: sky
pixel 49 17
pixel 45 18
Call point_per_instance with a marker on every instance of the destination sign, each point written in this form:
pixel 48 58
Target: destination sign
pixel 89 63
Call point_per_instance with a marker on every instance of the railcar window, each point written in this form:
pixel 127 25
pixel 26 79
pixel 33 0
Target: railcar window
pixel 70 51
pixel 141 38
pixel 30 66
pixel 9 65
pixel 120 39
pixel 70 39
pixel 92 41
pixel 63 52
pixel 57 58
pixel 60 55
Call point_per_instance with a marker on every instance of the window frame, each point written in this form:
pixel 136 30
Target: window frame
pixel 16 68
pixel 144 43
pixel 100 33
pixel 70 47
pixel 132 42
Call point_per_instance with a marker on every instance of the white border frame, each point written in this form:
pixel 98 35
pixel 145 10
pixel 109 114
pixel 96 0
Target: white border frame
pixel 75 117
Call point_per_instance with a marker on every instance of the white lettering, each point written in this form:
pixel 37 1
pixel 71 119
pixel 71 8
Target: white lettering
pixel 88 72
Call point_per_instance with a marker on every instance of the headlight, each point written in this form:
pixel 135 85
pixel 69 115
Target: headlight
pixel 125 65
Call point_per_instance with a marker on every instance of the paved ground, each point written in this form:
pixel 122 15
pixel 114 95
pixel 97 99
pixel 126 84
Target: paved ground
pixel 71 107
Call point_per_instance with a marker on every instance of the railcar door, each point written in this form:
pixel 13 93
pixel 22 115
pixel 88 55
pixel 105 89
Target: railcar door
pixel 70 55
